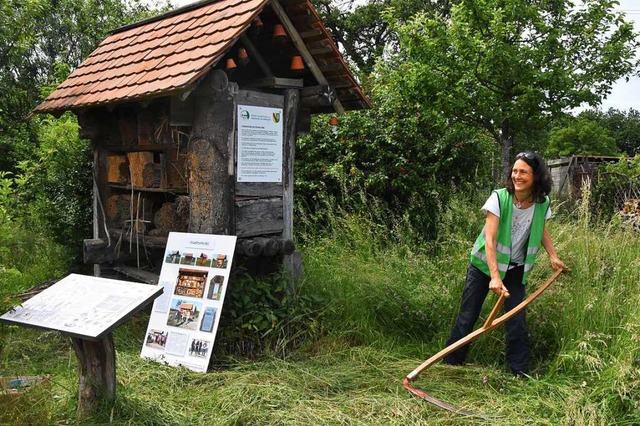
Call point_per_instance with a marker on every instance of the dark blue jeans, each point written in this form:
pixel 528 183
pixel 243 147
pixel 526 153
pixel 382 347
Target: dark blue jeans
pixel 516 338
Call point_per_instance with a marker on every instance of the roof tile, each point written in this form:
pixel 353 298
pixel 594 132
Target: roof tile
pixel 159 56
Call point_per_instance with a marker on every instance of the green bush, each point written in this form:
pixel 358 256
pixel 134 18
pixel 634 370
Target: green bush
pixel 56 185
pixel 27 256
pixel 402 152
pixel 265 316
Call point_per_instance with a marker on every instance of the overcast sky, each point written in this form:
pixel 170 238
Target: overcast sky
pixel 624 95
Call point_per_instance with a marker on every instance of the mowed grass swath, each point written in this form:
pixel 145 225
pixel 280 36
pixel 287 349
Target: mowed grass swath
pixel 385 303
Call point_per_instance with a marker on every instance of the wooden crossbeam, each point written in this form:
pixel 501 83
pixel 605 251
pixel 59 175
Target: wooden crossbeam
pixel 302 48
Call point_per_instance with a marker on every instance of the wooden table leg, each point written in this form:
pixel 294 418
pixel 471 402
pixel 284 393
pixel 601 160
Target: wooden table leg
pixel 97 375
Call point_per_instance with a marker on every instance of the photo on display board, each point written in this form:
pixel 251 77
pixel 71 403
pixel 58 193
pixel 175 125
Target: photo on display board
pixel 208 319
pixel 188 259
pixel 173 256
pixel 184 313
pixel 215 287
pixel 221 261
pixel 203 260
pixel 190 282
pixel 199 348
pixel 157 339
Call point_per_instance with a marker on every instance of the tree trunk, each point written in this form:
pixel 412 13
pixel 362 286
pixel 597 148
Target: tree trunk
pixel 506 143
pixel 97 375
pixel 211 163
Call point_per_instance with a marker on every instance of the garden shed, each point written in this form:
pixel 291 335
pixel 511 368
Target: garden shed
pixel 163 101
pixel 569 173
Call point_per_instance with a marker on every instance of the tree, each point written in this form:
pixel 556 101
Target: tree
pixel 625 129
pixel 511 66
pixel 361 31
pixel 41 41
pixel 581 136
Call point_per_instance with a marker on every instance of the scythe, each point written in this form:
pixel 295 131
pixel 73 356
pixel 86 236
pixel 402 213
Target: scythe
pixel 490 323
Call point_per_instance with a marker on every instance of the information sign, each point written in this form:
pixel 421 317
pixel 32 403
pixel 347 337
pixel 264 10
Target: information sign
pixel 82 306
pixel 184 320
pixel 259 144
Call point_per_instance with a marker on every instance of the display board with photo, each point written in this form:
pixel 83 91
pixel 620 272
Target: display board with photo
pixel 184 320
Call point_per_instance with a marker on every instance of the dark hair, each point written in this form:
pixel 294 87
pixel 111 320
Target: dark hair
pixel 541 177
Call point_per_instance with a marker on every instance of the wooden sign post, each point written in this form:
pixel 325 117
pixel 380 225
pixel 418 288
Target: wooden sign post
pixel 87 309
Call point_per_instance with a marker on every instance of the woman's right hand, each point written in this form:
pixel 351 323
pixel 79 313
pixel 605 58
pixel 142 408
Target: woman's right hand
pixel 496 286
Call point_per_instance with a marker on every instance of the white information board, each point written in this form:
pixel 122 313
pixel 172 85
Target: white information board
pixel 260 144
pixel 184 321
pixel 82 306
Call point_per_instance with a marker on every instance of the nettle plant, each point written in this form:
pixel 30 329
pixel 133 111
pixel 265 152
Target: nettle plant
pixel 263 314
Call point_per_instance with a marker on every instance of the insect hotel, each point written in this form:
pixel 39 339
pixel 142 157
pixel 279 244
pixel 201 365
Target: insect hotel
pixel 193 117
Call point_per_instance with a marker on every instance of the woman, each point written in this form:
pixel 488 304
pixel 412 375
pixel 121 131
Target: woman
pixel 504 254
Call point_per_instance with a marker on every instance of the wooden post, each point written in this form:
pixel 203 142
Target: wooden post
pixel 97 374
pixel 291 108
pixel 210 156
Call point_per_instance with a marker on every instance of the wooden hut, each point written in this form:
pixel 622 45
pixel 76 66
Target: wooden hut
pixel 163 102
pixel 569 173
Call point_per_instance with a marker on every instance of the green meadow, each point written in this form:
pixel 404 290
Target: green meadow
pixel 378 302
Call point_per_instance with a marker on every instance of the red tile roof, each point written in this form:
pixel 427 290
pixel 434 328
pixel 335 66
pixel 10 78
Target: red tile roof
pixel 171 53
pixel 155 58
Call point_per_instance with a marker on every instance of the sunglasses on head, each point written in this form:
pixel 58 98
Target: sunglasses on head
pixel 528 156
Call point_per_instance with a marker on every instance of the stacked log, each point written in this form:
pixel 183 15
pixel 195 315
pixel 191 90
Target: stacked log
pixel 151 175
pixel 264 246
pixel 176 170
pixel 118 209
pixel 137 163
pixel 171 217
pixel 125 173
pixel 630 214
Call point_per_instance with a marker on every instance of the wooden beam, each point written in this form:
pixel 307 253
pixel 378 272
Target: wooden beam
pixel 302 48
pixel 264 246
pixel 97 250
pixel 291 109
pixel 255 54
pixel 313 32
pixel 317 96
pixel 138 274
pixel 276 83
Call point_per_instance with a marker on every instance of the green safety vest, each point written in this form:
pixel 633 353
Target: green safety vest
pixel 503 239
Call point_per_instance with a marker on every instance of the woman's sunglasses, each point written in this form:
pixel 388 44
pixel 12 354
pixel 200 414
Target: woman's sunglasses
pixel 529 156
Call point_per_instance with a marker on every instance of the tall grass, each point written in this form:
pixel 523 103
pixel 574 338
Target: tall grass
pixel 584 329
pixel 389 303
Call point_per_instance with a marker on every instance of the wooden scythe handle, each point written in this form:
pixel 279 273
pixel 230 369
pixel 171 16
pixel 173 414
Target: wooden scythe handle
pixel 490 324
